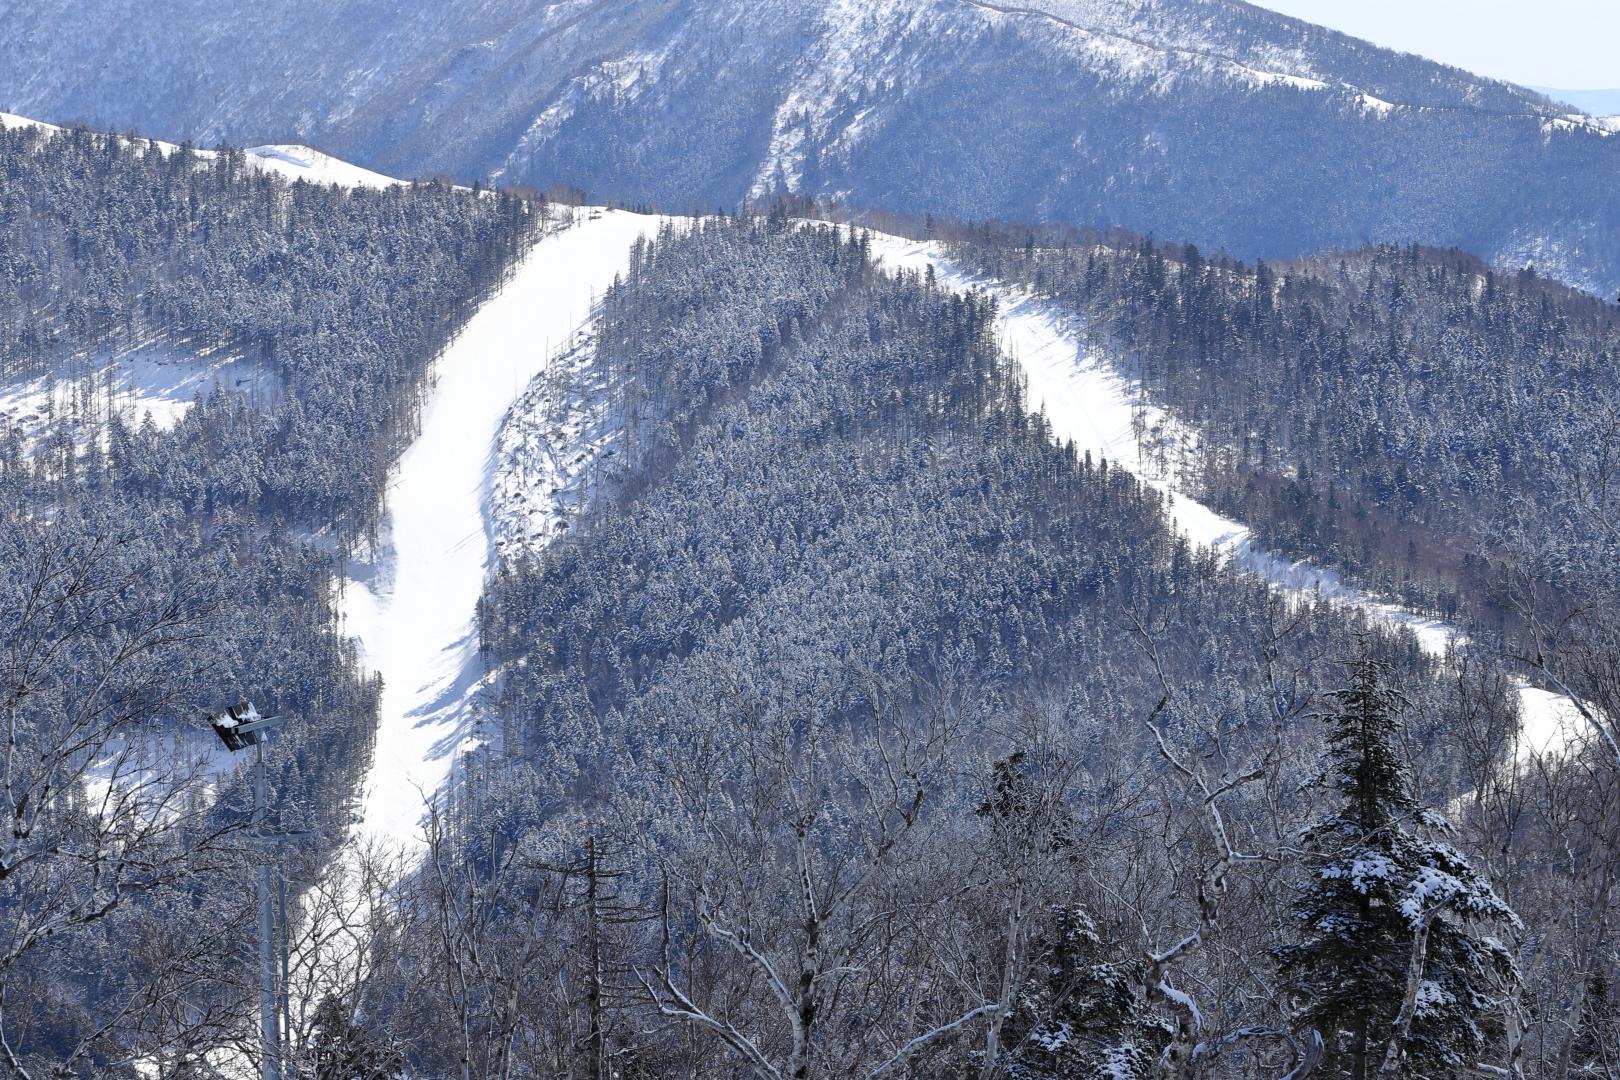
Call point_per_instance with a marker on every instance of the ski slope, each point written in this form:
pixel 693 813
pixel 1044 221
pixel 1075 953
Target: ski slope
pixel 414 609
pixel 1085 400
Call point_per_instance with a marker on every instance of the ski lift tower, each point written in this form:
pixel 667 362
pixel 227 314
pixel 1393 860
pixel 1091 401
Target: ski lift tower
pixel 240 727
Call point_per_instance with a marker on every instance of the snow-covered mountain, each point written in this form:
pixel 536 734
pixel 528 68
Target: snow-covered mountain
pixel 1209 120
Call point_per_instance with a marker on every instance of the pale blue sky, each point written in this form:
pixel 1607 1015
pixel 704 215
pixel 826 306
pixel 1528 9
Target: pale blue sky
pixel 1573 44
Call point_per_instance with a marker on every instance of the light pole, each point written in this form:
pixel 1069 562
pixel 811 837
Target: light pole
pixel 240 727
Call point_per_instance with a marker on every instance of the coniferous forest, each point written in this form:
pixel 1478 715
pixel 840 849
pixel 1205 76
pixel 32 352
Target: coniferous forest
pixel 148 575
pixel 861 727
pixel 791 694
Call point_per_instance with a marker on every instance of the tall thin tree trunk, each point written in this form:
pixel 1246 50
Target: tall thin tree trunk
pixel 1414 983
pixel 596 1041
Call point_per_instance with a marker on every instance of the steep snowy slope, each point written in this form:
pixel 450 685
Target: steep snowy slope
pixel 414 608
pixel 1208 120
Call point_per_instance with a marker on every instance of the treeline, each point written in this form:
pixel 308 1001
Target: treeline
pixel 861 729
pixel 148 577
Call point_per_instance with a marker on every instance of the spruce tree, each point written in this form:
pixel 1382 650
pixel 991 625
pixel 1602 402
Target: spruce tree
pixel 1079 1011
pixel 1080 1014
pixel 1398 963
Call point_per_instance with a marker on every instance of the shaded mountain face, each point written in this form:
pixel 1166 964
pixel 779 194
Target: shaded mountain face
pixel 1207 120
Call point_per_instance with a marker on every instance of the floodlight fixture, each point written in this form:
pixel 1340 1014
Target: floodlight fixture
pixel 240 726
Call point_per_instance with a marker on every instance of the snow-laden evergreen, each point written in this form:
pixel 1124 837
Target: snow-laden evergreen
pixel 1405 962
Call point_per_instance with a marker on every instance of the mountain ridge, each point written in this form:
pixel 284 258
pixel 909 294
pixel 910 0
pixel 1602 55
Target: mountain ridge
pixel 1141 113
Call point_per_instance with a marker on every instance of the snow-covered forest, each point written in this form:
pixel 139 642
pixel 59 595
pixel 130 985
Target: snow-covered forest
pixel 859 727
pixel 150 574
pixel 1438 429
pixel 795 632
pixel 345 295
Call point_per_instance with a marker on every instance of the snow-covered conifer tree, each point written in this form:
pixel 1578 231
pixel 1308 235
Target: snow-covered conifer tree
pixel 1400 962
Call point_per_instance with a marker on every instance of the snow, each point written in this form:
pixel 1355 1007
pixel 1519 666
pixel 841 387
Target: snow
pixel 291 161
pixel 414 607
pixel 1087 401
pixel 1052 1040
pixel 157 766
pixel 1433 999
pixel 1159 63
pixel 554 442
pixel 11 120
pixel 1430 889
pixel 304 163
pixel 1362 871
pixel 1548 721
pixel 854 57
pixel 1184 1001
pixel 160 381
pixel 1604 126
pixel 624 78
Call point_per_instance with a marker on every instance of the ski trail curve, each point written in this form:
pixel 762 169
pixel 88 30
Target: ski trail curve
pixel 414 609
pixel 1085 400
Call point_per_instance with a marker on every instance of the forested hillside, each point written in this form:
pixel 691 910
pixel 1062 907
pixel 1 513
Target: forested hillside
pixel 859 729
pixel 847 723
pixel 1205 120
pixel 344 295
pixel 150 576
pixel 1409 415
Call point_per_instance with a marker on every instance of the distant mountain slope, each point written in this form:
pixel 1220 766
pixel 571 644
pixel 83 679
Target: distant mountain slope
pixel 1208 120
pixel 1591 102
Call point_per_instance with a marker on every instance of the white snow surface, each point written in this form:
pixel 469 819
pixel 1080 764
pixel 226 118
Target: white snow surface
pixel 305 163
pixel 1086 400
pixel 414 609
pixel 161 381
pixel 289 160
pixel 11 120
